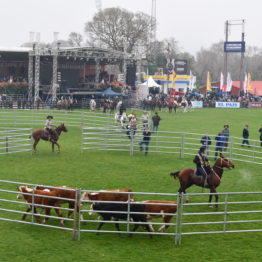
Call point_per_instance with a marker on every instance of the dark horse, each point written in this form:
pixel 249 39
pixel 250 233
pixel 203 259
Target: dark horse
pixel 38 134
pixel 187 177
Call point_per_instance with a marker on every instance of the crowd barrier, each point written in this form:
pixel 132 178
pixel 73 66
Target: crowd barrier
pixel 15 140
pixel 237 212
pixel 166 142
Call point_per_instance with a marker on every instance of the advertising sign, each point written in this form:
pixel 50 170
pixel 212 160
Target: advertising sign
pixel 228 104
pixel 197 104
pixel 181 66
pixel 235 47
pixel 256 105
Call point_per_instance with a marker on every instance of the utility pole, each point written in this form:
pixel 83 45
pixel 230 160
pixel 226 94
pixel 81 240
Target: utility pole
pixel 242 59
pixel 225 53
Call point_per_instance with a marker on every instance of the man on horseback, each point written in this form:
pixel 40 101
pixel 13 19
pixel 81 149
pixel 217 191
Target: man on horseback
pixel 202 164
pixel 49 128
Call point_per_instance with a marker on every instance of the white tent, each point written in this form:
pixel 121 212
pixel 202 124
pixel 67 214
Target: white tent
pixel 143 89
pixel 150 83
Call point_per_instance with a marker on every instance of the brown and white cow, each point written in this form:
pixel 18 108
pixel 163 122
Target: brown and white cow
pixel 108 195
pixel 162 207
pixel 64 192
pixel 40 197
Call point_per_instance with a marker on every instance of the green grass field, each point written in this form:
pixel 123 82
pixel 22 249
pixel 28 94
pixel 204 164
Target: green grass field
pixel 108 170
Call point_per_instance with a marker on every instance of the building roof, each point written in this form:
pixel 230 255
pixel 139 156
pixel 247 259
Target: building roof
pixel 14 49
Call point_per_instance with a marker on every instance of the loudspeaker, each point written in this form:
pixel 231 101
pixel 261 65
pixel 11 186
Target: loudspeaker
pixel 131 74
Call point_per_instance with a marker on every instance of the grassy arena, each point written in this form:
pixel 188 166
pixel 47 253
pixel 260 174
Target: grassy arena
pixel 105 170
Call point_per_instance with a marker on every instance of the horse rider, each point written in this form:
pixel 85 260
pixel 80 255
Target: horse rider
pixel 49 128
pixel 202 164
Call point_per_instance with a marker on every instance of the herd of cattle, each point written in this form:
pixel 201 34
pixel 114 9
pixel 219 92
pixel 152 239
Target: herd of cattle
pixel 109 204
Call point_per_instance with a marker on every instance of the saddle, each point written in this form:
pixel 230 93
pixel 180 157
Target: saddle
pixel 204 181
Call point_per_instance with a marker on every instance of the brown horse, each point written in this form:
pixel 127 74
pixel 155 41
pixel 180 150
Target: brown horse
pixel 38 134
pixel 188 178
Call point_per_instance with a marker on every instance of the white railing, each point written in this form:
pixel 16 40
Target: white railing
pixel 118 139
pixel 237 212
pixel 69 118
pixel 15 140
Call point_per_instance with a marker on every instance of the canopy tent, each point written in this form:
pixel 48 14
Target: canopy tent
pixel 110 92
pixel 150 83
pixel 143 89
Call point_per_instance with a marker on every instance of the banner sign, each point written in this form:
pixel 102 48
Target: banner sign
pixel 256 105
pixel 234 47
pixel 180 66
pixel 197 104
pixel 228 104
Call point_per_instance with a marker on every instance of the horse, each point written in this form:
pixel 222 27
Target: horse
pixel 188 178
pixel 38 134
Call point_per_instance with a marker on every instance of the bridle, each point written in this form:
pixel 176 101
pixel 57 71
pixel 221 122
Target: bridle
pixel 221 162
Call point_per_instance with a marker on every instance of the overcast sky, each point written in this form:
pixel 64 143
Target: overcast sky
pixel 193 23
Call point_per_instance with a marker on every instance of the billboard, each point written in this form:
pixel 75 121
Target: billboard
pixel 234 47
pixel 180 66
pixel 197 104
pixel 228 104
pixel 256 105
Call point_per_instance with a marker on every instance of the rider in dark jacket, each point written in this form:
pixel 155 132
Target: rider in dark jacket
pixel 202 163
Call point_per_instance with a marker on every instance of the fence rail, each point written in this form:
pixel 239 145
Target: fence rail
pixel 15 140
pixel 73 118
pixel 182 144
pixel 237 212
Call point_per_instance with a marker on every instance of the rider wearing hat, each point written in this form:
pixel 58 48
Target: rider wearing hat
pixel 202 163
pixel 49 128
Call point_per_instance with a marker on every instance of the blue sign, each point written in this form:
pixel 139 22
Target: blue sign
pixel 228 104
pixel 234 47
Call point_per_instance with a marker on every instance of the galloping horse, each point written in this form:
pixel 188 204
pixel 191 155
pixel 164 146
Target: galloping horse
pixel 187 177
pixel 38 134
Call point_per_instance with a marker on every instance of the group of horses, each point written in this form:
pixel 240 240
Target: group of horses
pixel 169 103
pixel 109 105
pixel 66 103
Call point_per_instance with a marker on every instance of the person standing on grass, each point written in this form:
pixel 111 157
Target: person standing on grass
pixel 245 134
pixel 146 140
pixel 260 137
pixel 206 142
pixel 226 134
pixel 220 143
pixel 156 119
pixel 145 119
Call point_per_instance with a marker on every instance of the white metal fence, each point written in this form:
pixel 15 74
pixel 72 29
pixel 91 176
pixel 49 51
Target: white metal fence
pixel 14 140
pixel 69 118
pixel 237 212
pixel 119 139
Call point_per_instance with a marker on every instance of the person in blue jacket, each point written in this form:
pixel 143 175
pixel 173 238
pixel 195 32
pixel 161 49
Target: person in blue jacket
pixel 220 143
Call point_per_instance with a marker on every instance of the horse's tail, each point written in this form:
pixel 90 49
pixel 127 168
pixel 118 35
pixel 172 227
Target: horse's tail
pixel 175 174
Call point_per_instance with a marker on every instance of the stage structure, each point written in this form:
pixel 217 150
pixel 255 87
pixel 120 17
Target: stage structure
pixel 85 55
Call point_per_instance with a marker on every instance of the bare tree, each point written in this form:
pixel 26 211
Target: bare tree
pixel 119 29
pixel 75 39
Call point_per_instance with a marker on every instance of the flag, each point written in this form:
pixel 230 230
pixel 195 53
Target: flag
pixel 249 83
pixel 245 84
pixel 229 82
pixel 208 82
pixel 192 82
pixel 221 81
pixel 174 78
